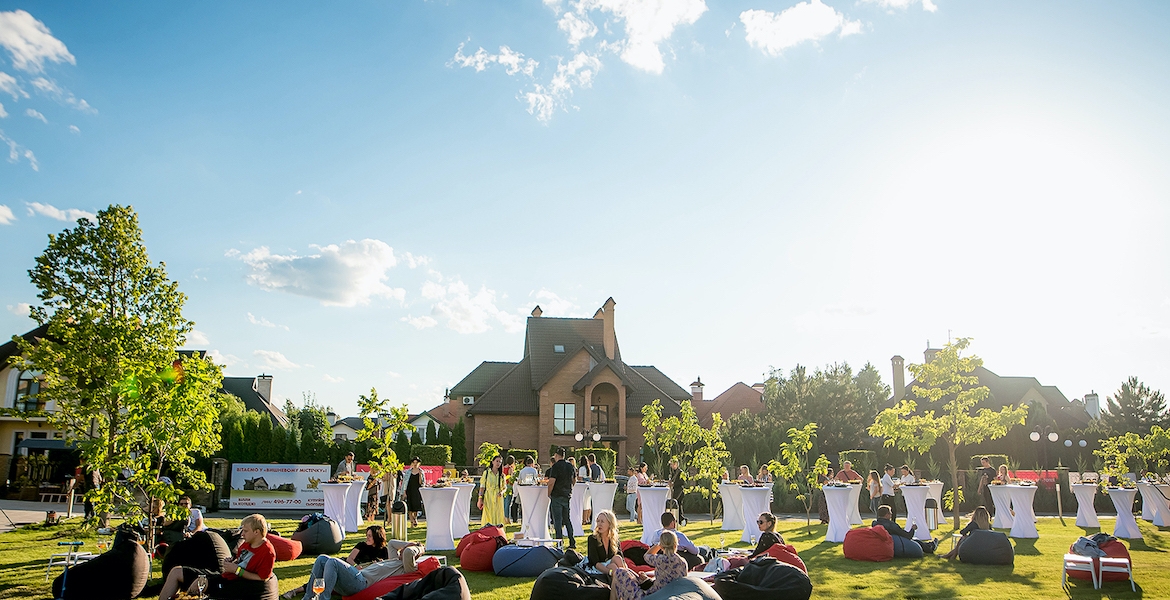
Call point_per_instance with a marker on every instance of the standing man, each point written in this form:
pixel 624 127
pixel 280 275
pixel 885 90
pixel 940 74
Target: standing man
pixel 888 490
pixel 346 466
pixel 561 476
pixel 847 473
pixel 676 487
pixel 595 472
pixel 986 476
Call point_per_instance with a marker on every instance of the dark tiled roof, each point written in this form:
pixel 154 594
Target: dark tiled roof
pixel 732 401
pixel 354 423
pixel 512 394
pixel 482 378
pixel 1011 390
pixel 647 391
pixel 242 388
pixel 8 349
pixel 544 333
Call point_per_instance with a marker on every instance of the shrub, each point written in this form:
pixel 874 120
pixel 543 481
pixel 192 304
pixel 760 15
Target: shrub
pixel 431 455
pixel 863 460
pixel 605 457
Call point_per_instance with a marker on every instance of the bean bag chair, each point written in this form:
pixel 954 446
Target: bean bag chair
pixel 203 550
pixel 987 548
pixel 477 535
pixel 907 548
pixel 518 561
pixel 765 578
pixel 785 553
pixel 243 589
pixel 286 549
pixel 1112 549
pixel 446 583
pixel 568 583
pixel 233 539
pixel 389 584
pixel 118 574
pixel 478 553
pixel 868 543
pixel 687 588
pixel 635 551
pixel 323 537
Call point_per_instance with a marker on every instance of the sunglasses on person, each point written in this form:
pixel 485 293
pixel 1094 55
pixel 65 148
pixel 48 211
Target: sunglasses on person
pixel 760 521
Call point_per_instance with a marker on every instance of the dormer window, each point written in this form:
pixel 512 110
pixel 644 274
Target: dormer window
pixel 559 349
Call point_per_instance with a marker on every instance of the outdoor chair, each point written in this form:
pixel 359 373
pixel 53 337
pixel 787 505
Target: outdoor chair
pixel 1075 563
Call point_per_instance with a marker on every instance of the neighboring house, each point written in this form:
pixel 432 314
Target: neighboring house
pixel 734 399
pixel 18 391
pixel 256 392
pixel 347 428
pixel 571 378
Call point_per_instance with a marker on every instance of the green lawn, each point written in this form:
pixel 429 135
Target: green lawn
pixel 1036 573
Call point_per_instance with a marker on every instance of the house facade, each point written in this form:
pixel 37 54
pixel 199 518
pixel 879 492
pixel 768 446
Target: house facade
pixel 570 379
pixel 18 391
pixel 733 400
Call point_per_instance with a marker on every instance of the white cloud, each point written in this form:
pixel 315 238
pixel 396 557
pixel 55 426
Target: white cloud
pixel 394 374
pixel 332 379
pixel 346 274
pixel 806 22
pixel 261 321
pixel 8 85
pixel 512 61
pixel 414 261
pixel 29 42
pixel 275 360
pixel 68 214
pixel 648 23
pixel 543 101
pixel 466 312
pixel 423 322
pixel 220 358
pixel 3 113
pixel 75 129
pixel 36 114
pixel 6 216
pixel 553 305
pixel 577 27
pixel 20 309
pixel 16 152
pixel 927 5
pixel 51 89
pixel 197 338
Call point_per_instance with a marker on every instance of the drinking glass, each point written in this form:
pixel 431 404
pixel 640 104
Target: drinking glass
pixel 722 542
pixel 318 586
pixel 201 584
pixel 753 542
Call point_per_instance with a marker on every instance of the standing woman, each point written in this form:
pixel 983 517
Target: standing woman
pixel 372 485
pixel 415 481
pixel 643 481
pixel 875 492
pixel 491 493
pixel 508 469
pixel 391 488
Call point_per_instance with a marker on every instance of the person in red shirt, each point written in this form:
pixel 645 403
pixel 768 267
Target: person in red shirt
pixel 253 562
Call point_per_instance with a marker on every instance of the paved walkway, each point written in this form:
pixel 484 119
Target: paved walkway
pixel 23 513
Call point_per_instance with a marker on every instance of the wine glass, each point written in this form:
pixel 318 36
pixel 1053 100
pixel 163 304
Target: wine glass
pixel 722 542
pixel 102 544
pixel 318 586
pixel 753 540
pixel 201 584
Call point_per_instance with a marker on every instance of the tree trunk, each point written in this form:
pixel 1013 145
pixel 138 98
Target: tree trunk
pixel 954 464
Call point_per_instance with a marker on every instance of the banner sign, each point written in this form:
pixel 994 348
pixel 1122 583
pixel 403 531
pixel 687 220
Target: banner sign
pixel 1046 479
pixel 430 474
pixel 256 486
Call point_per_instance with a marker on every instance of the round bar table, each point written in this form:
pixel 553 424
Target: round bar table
pixel 461 519
pixel 534 503
pixel 854 502
pixel 335 503
pixel 577 507
pixel 755 501
pixel 1126 526
pixel 838 500
pixel 653 505
pixel 1025 520
pixel 1148 504
pixel 1160 492
pixel 353 504
pixel 1086 514
pixel 936 490
pixel 732 506
pixel 916 496
pixel 602 495
pixel 440 506
pixel 1003 507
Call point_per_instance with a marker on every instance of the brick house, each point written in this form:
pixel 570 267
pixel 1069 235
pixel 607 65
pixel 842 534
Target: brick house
pixel 571 378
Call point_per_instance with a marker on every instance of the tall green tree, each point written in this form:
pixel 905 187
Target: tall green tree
pixel 793 467
pixel 264 439
pixel 415 438
pixel 379 426
pixel 1135 408
pixel 432 433
pixel 402 446
pixel 947 412
pixel 108 362
pixel 459 443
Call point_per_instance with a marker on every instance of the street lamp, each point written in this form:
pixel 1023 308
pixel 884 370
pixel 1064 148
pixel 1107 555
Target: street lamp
pixel 1048 432
pixel 593 435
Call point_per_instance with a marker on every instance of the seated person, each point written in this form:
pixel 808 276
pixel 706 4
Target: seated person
pixel 373 549
pixel 194 518
pixel 885 521
pixel 1002 475
pixel 254 560
pixel 348 579
pixel 603 548
pixel 686 548
pixel 668 566
pixel 980 519
pixel 766 522
pixel 166 529
pixel 745 474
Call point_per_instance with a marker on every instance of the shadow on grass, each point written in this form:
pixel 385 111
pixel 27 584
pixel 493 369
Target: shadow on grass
pixel 1026 547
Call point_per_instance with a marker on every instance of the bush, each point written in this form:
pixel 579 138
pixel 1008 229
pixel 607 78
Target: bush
pixel 863 460
pixel 605 457
pixel 519 455
pixel 996 460
pixel 431 455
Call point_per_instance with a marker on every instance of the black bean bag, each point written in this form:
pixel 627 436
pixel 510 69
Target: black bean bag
pixel 119 574
pixel 231 537
pixel 907 548
pixel 687 588
pixel 765 578
pixel 323 537
pixel 983 547
pixel 444 584
pixel 239 588
pixel 203 550
pixel 568 583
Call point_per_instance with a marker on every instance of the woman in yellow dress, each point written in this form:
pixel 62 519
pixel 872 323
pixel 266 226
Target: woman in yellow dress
pixel 491 493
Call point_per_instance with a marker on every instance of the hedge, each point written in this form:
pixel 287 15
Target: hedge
pixel 519 454
pixel 431 455
pixel 605 457
pixel 863 460
pixel 996 460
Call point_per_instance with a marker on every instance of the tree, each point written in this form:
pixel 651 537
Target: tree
pixel 459 443
pixel 292 445
pixel 108 362
pixel 794 469
pixel 380 435
pixel 1135 408
pixel 708 460
pixel 263 443
pixel 432 434
pixel 402 447
pixel 487 451
pixel 443 437
pixel 949 396
pixel 415 438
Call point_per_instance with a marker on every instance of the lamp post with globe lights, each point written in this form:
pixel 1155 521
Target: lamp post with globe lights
pixel 1037 435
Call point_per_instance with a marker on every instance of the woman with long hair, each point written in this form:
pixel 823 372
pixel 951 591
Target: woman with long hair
pixel 875 492
pixel 980 520
pixel 766 523
pixel 416 480
pixel 374 548
pixel 491 493
pixel 668 566
pixel 603 554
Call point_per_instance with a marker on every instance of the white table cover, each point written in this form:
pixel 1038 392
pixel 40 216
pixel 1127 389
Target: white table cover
pixel 1126 526
pixel 653 505
pixel 602 495
pixel 1086 513
pixel 854 503
pixel 534 503
pixel 732 506
pixel 577 507
pixel 916 496
pixel 936 492
pixel 335 503
pixel 1159 493
pixel 1003 507
pixel 440 506
pixel 461 519
pixel 1148 506
pixel 755 501
pixel 1025 519
pixel 837 498
pixel 353 505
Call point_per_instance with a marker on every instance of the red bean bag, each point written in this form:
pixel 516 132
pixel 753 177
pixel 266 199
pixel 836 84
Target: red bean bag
pixel 478 553
pixel 869 543
pixel 785 553
pixel 478 535
pixel 389 584
pixel 1112 549
pixel 634 552
pixel 286 548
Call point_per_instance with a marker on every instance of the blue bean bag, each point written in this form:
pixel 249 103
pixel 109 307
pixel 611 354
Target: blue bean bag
pixel 982 547
pixel 906 548
pixel 518 561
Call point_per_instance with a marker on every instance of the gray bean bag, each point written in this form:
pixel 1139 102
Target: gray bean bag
pixel 907 548
pixel 323 537
pixel 119 574
pixel 565 583
pixel 520 561
pixel 987 548
pixel 687 588
pixel 765 578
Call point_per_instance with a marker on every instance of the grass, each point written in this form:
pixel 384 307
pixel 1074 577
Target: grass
pixel 1036 574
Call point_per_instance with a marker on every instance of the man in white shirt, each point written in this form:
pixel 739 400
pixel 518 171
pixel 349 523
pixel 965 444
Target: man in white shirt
pixel 632 494
pixel 686 548
pixel 888 489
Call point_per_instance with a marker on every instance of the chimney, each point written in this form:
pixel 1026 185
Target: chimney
pixel 608 336
pixel 1093 405
pixel 930 353
pixel 899 377
pixel 331 417
pixel 536 312
pixel 697 389
pixel 263 386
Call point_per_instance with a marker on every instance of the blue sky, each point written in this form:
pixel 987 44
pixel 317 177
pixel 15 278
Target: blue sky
pixel 357 195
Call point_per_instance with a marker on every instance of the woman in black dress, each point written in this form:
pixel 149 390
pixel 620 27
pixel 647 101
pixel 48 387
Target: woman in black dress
pixel 414 482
